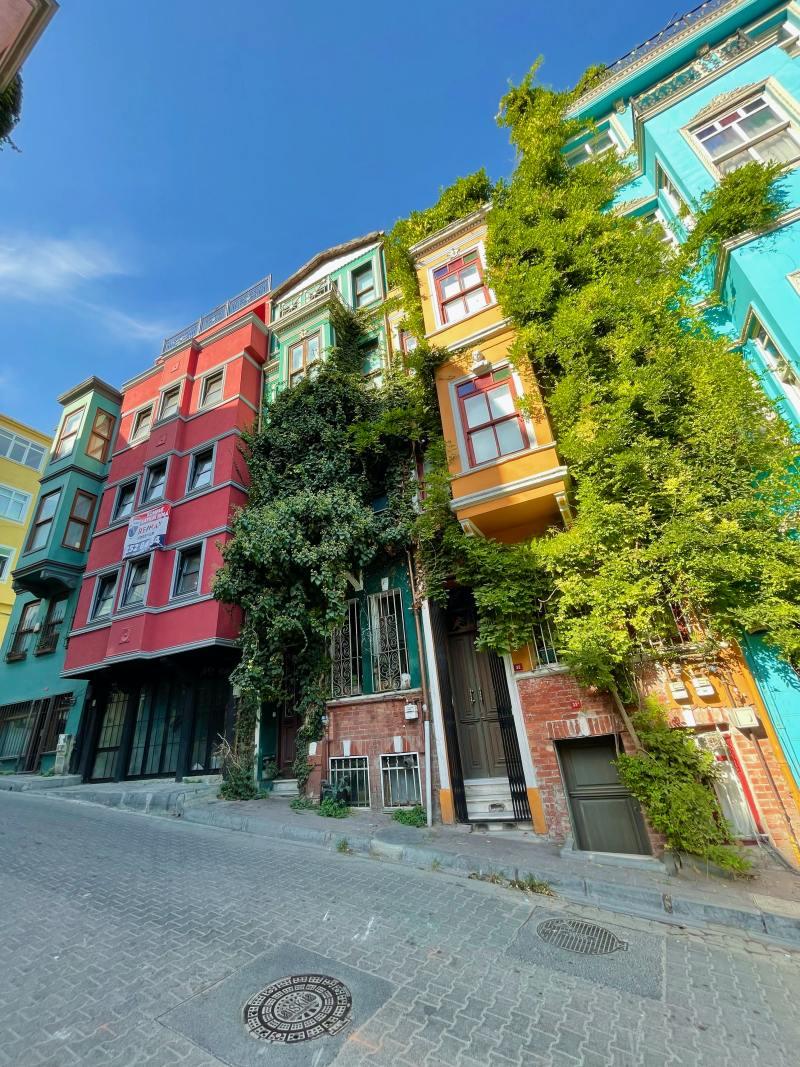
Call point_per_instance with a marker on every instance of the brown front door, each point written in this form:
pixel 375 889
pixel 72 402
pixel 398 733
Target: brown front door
pixel 475 707
pixel 288 726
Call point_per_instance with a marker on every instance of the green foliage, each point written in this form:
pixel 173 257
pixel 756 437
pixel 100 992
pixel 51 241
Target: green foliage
pixel 415 816
pixel 327 448
pixel 529 884
pixel 333 809
pixel 749 198
pixel 343 846
pixel 673 780
pixel 681 488
pixel 10 109
pixel 459 199
pixel 303 803
pixel 236 762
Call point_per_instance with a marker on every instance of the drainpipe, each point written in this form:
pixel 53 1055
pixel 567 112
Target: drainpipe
pixel 426 721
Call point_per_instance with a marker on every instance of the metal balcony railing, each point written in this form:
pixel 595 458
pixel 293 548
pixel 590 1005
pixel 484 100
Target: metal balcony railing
pixel 48 638
pixel 672 29
pixel 305 296
pixel 230 307
pixel 18 648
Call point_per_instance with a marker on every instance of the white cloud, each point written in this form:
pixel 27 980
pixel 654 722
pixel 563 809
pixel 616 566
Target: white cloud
pixel 32 266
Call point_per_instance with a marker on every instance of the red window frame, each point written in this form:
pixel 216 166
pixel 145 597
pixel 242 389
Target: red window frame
pixel 456 266
pixel 486 383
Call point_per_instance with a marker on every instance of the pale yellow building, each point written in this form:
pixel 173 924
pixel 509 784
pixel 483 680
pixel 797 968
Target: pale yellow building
pixel 23 453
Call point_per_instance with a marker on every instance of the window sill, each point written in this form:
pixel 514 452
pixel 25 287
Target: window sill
pixel 15 657
pixel 452 325
pixel 502 459
pixel 45 651
pixel 371 698
pixel 184 598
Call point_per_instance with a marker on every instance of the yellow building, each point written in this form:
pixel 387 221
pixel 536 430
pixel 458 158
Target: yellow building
pixel 22 456
pixel 517 738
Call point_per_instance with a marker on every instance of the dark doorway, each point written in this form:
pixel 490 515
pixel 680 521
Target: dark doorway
pixel 288 725
pixel 475 706
pixel 605 817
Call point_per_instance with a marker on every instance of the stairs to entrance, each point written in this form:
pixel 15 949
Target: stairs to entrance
pixel 284 787
pixel 488 799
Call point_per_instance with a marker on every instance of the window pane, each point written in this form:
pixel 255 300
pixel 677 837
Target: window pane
pixel 484 446
pixel 476 300
pixel 455 310
pixel 5 442
pixel 476 410
pixel 313 348
pixel 82 508
pixel 202 470
pixel 602 142
pixel 501 402
pixel 779 148
pixel 96 447
pixel 73 538
pixel 509 434
pixel 296 357
pixel 470 276
pixel 103 423
pixel 18 450
pixel 723 141
pixel 450 286
pixel 759 122
pixel 734 161
pixel 39 537
pixel 47 508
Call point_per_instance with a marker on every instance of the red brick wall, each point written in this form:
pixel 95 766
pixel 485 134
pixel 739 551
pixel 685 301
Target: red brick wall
pixel 555 708
pixel 773 800
pixel 371 725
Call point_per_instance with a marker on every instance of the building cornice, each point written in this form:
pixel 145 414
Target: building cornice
pixel 110 661
pixel 723 259
pixel 482 496
pixel 91 385
pixel 449 233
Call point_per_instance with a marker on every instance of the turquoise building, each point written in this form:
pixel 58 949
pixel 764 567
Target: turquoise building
pixel 718 87
pixel 38 705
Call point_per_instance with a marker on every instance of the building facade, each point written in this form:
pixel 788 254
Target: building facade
pixel 148 635
pixel 718 88
pixel 375 735
pixel 22 456
pixel 38 705
pixel 517 738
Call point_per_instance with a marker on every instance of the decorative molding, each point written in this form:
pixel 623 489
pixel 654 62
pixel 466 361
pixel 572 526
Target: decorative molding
pixel 449 233
pixel 533 481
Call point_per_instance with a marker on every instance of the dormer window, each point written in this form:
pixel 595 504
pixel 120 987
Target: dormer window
pixel 460 289
pixel 492 425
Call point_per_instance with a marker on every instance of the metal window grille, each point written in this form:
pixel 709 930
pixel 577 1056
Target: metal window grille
pixel 544 643
pixel 387 630
pixel 346 656
pixel 400 780
pixel 16 722
pixel 353 773
pixel 48 637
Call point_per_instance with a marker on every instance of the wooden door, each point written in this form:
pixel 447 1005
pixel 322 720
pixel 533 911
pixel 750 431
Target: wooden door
pixel 288 726
pixel 605 817
pixel 475 707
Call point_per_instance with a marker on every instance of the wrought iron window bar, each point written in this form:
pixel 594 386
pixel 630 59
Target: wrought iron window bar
pixel 352 772
pixel 400 780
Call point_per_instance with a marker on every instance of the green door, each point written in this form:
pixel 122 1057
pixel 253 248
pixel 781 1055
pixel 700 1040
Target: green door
pixel 605 817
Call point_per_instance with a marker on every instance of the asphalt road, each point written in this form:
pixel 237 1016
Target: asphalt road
pixel 128 940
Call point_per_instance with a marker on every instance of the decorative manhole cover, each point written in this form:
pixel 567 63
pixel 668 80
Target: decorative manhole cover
pixel 577 936
pixel 298 1008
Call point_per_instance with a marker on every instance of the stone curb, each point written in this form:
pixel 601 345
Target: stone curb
pixel 12 784
pixel 633 900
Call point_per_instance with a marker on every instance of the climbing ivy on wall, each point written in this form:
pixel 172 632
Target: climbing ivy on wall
pixel 10 109
pixel 327 448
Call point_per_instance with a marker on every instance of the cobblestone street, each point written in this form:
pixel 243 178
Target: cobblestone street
pixel 110 922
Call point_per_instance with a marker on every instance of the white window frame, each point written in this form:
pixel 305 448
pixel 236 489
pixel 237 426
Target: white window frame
pixel 137 434
pixel 122 606
pixel 26 504
pixel 172 387
pixel 337 765
pixel 93 616
pixel 588 146
pixel 415 773
pixel 146 477
pixel 7 553
pixel 203 403
pixel 793 277
pixel 775 363
pixel 27 444
pixel 190 491
pixel 788 122
pixel 179 552
pixel 668 191
pixel 125 518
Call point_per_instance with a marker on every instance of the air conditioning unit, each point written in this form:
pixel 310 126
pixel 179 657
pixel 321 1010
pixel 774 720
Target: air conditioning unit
pixel 743 718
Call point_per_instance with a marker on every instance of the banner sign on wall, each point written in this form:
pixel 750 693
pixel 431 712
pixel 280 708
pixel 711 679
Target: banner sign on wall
pixel 146 531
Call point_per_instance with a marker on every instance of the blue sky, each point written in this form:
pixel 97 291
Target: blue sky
pixel 175 151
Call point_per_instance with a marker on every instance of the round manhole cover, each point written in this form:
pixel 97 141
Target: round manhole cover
pixel 577 936
pixel 298 1008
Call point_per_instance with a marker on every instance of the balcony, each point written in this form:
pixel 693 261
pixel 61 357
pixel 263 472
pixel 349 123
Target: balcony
pixel 318 293
pixel 221 312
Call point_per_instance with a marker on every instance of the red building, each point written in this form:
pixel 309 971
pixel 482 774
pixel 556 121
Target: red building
pixel 148 634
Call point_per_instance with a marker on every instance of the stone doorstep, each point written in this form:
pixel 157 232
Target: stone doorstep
pixel 24 783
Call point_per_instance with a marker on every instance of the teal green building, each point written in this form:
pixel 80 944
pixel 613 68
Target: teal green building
pixel 38 705
pixel 716 88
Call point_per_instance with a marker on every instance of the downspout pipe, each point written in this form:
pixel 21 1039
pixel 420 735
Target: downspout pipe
pixel 423 674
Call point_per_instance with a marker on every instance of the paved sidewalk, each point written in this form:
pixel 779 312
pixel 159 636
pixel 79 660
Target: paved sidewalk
pixel 766 905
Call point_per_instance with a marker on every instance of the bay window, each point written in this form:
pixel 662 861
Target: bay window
pixel 492 425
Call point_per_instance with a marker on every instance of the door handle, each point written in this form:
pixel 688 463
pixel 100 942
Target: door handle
pixel 480 694
pixel 472 695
